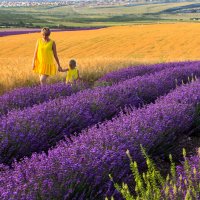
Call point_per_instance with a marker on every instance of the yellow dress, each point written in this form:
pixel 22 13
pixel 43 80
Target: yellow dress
pixel 72 75
pixel 44 63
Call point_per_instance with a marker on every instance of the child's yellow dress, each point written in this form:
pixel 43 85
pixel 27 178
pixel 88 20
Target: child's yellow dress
pixel 44 63
pixel 72 75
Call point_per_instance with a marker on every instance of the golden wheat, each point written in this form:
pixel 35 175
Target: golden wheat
pixel 100 51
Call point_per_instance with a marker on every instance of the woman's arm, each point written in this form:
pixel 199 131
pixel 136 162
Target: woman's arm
pixel 56 57
pixel 35 55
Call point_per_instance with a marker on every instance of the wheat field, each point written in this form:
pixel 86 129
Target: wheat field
pixel 100 51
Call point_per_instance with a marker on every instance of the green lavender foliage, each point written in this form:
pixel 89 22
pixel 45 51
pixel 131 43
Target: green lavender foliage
pixel 151 185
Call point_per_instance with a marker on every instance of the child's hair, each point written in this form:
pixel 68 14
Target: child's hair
pixel 72 64
pixel 46 31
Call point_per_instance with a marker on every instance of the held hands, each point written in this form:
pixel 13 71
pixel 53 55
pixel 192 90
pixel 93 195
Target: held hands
pixel 60 69
pixel 64 70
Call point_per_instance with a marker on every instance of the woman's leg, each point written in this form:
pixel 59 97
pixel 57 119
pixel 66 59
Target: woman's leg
pixel 43 79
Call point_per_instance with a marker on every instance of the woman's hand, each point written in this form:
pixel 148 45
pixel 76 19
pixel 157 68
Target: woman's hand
pixel 60 69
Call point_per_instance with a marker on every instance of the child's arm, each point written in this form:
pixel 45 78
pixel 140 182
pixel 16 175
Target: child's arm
pixel 64 70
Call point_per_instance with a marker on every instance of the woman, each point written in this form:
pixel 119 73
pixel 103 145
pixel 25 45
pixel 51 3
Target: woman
pixel 43 60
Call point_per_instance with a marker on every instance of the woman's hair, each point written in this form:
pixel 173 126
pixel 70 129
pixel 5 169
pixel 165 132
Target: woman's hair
pixel 46 31
pixel 72 63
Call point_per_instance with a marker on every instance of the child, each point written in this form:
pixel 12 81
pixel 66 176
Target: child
pixel 72 72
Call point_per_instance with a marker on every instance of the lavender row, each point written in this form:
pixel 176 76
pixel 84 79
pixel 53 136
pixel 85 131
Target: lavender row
pixel 8 32
pixel 79 170
pixel 130 72
pixel 26 97
pixel 40 127
pixel 29 96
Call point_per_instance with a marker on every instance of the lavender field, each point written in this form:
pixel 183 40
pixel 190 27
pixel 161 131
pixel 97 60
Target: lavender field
pixel 7 32
pixel 63 142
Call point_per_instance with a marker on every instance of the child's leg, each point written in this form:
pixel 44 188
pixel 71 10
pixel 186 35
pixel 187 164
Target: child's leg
pixel 43 79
